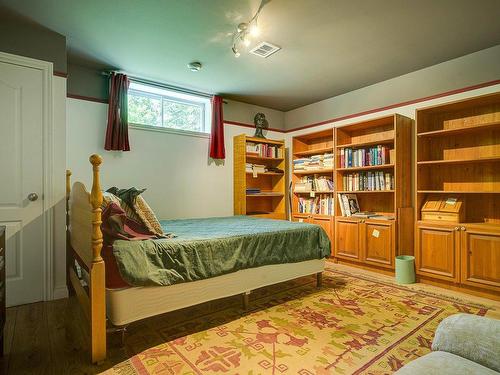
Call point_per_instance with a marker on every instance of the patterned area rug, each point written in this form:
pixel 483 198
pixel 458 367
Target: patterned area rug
pixel 353 325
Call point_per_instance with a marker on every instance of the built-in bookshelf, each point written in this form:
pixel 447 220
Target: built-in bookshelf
pixel 373 175
pixel 313 191
pixel 458 160
pixel 259 177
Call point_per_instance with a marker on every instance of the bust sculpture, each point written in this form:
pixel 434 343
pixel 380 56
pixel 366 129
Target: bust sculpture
pixel 260 123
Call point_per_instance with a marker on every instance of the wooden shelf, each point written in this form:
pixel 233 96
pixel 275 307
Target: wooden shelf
pixel 367 143
pixel 263 158
pixel 318 216
pixel 263 140
pixel 467 129
pixel 315 192
pixel 365 191
pixel 315 171
pixel 267 174
pixel 366 168
pixel 318 151
pixel 265 194
pixel 442 222
pixel 457 192
pixel 460 161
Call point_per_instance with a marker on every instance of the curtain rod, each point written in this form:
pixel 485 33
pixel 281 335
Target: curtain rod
pixel 162 85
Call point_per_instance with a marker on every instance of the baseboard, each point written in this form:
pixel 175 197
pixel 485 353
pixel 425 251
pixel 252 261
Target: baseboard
pixel 60 292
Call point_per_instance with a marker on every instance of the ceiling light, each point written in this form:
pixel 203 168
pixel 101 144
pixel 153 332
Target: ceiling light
pixel 194 66
pixel 246 30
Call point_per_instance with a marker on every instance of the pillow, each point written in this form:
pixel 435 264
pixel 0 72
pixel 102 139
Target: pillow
pixel 108 198
pixel 147 216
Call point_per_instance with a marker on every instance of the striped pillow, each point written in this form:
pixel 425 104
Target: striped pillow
pixel 108 198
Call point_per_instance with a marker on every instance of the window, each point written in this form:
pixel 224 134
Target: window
pixel 151 106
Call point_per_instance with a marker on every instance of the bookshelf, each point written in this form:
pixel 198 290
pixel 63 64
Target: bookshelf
pixel 309 152
pixel 458 157
pixel 373 162
pixel 268 196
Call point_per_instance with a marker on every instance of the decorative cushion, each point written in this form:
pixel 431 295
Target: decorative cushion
pixel 443 363
pixel 108 198
pixel 470 336
pixel 147 216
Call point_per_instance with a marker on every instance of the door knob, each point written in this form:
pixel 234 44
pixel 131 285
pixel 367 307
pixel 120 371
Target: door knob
pixel 32 196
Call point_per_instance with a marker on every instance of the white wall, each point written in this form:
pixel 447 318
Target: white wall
pixel 244 113
pixel 479 67
pixel 174 168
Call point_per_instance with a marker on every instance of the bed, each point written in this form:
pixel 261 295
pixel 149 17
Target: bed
pixel 208 259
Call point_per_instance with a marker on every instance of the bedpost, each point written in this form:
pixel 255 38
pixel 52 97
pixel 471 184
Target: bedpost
pixel 319 280
pixel 97 278
pixel 69 254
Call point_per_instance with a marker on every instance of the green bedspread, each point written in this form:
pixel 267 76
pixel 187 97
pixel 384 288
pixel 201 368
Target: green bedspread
pixel 212 247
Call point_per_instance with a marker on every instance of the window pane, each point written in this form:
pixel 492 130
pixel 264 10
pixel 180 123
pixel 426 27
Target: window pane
pixel 145 110
pixel 182 116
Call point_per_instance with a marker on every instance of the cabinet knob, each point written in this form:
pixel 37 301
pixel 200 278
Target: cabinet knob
pixel 462 228
pixel 457 228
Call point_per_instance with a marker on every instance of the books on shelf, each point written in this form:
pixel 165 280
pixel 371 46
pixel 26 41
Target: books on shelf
pixel 253 190
pixel 314 183
pixel 362 157
pixel 368 181
pixel 260 168
pixel 263 150
pixel 348 204
pixel 320 205
pixel 313 162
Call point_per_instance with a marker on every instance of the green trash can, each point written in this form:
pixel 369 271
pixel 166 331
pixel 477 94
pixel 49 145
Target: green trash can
pixel 405 269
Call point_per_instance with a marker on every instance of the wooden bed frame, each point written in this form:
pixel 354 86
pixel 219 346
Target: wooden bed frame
pixel 84 244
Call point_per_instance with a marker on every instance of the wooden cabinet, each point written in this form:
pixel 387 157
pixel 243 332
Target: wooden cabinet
pixel 378 240
pixel 467 254
pixel 436 251
pixel 480 256
pixel 325 222
pixel 367 241
pixel 347 241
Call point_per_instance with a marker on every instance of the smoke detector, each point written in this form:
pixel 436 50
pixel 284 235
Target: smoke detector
pixel 264 49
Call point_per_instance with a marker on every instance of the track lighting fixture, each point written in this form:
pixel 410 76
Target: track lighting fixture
pixel 246 30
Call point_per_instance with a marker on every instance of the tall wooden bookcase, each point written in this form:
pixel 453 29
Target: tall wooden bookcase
pixel 270 203
pixel 375 242
pixel 318 143
pixel 458 158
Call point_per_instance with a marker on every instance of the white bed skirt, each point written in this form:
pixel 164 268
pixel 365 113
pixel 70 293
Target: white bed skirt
pixel 131 304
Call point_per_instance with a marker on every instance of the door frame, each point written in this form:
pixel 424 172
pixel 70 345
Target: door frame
pixel 48 156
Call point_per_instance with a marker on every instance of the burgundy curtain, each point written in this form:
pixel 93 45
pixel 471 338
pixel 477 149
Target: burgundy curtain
pixel 217 150
pixel 117 130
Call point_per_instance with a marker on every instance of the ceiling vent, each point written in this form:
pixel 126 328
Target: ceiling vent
pixel 264 49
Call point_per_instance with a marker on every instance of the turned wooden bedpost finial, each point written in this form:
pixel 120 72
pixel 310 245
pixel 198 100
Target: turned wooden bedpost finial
pixel 96 201
pixel 68 192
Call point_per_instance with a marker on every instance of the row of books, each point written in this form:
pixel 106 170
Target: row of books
pixel 349 206
pixel 361 157
pixel 368 181
pixel 320 205
pixel 313 162
pixel 314 183
pixel 263 150
pixel 260 168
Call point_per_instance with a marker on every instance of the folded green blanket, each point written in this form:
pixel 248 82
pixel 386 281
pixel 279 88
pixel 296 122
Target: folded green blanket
pixel 212 247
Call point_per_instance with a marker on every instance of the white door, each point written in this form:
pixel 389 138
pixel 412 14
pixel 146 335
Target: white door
pixel 21 180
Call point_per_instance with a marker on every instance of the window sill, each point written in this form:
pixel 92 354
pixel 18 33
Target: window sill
pixel 188 133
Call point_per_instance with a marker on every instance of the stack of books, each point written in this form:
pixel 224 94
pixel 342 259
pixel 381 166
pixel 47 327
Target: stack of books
pixel 313 163
pixel 255 168
pixel 368 181
pixel 253 190
pixel 322 205
pixel 263 150
pixel 378 155
pixel 314 183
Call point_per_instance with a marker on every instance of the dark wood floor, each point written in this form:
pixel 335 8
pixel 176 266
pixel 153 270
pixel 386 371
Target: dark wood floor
pixel 52 337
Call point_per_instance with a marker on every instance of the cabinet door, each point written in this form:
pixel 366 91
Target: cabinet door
pixel 347 239
pixel 437 251
pixel 327 224
pixel 378 243
pixel 303 218
pixel 480 257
